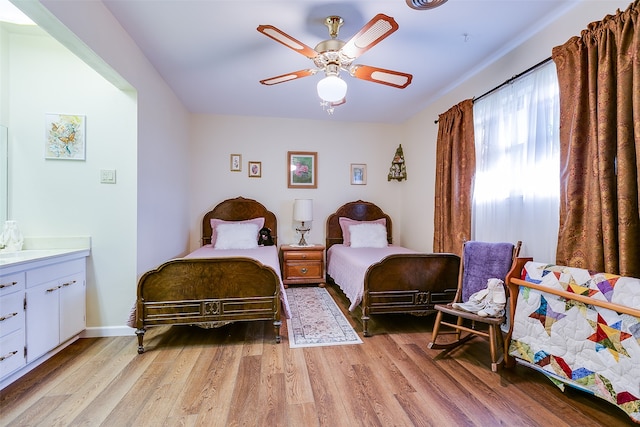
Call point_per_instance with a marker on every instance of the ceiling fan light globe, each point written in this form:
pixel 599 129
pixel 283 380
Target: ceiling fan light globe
pixel 332 89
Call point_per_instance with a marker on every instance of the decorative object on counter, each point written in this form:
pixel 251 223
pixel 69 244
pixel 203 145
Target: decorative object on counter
pixel 398 168
pixel 11 239
pixel 65 137
pixel 303 212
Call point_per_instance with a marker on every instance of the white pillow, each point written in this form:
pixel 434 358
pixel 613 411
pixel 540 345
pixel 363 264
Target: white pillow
pixel 368 236
pixel 236 236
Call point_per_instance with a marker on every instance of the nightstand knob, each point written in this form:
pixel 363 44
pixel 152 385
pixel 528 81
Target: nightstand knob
pixel 304 270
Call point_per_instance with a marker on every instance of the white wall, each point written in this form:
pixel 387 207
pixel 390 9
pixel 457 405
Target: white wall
pixel 61 198
pixel 421 132
pixel 268 140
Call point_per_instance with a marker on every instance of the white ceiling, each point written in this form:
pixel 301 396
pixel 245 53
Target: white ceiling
pixel 211 54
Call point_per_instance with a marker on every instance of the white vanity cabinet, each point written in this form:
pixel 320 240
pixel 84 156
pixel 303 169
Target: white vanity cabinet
pixel 55 306
pixel 12 331
pixel 42 307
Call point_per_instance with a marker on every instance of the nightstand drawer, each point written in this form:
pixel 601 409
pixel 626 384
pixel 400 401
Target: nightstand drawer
pixel 308 270
pixel 303 255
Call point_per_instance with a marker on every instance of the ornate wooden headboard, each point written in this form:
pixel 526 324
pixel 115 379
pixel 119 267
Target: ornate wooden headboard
pixel 239 209
pixel 358 210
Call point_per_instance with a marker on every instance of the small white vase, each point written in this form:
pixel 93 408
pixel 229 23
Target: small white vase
pixel 11 239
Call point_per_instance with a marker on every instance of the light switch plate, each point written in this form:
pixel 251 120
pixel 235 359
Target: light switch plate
pixel 107 176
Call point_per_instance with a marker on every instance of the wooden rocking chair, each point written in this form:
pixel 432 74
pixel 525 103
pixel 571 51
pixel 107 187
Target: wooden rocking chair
pixel 481 261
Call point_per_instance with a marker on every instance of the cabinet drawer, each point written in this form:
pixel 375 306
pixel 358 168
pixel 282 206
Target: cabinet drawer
pixel 308 270
pixel 11 313
pixel 303 255
pixel 56 271
pixel 12 352
pixel 12 283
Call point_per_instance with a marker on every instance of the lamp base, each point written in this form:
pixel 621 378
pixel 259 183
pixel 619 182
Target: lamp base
pixel 302 230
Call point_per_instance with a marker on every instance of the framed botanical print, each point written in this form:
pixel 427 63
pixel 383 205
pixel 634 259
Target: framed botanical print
pixel 236 163
pixel 302 169
pixel 255 169
pixel 358 174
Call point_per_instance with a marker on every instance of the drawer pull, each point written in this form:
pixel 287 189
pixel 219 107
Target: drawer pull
pixel 69 283
pixel 8 316
pixel 8 355
pixel 303 270
pixel 6 285
pixel 53 289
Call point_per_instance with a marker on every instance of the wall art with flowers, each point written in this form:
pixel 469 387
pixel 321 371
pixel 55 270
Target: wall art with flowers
pixel 302 169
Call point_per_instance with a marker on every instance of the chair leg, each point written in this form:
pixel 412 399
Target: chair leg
pixel 436 329
pixel 495 335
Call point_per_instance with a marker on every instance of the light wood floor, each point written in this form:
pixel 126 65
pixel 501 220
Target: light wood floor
pixel 237 375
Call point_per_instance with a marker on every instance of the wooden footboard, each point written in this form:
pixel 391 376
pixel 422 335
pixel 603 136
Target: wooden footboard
pixel 409 283
pixel 196 290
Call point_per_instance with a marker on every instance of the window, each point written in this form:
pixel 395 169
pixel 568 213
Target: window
pixel 517 182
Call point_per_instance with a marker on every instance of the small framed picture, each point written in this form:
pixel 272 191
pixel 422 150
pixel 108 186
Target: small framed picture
pixel 302 169
pixel 358 174
pixel 236 162
pixel 65 137
pixel 255 169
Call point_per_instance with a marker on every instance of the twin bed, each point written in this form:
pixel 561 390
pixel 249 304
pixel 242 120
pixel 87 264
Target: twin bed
pixel 381 277
pixel 230 278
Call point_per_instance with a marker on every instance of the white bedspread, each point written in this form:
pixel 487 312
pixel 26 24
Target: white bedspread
pixel 267 255
pixel 347 267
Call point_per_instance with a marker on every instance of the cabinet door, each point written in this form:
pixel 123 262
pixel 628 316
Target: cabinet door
pixel 43 314
pixel 72 306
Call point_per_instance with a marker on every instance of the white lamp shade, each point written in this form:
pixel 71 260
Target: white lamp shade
pixel 332 89
pixel 303 210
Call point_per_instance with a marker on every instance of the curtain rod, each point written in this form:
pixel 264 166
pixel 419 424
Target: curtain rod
pixel 506 82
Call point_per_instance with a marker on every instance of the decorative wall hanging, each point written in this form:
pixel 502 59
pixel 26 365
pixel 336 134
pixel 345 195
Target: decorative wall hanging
pixel 302 169
pixel 64 137
pixel 255 169
pixel 358 174
pixel 398 169
pixel 236 162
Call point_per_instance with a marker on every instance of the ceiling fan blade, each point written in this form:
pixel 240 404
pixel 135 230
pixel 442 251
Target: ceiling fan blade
pixel 287 40
pixel 288 77
pixel 376 30
pixel 380 75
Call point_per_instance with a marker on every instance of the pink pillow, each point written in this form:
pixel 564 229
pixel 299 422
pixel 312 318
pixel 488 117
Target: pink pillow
pixel 346 222
pixel 215 222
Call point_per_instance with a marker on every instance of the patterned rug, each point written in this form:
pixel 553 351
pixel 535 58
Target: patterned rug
pixel 316 320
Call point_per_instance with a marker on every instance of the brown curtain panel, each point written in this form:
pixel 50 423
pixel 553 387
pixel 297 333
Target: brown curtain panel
pixel 455 169
pixel 599 77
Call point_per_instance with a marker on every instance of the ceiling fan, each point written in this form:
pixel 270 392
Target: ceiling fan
pixel 334 55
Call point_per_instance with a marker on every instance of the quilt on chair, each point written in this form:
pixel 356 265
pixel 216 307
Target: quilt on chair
pixel 592 348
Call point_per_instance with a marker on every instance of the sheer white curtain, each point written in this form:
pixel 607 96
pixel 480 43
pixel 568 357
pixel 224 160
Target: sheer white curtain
pixel 517 183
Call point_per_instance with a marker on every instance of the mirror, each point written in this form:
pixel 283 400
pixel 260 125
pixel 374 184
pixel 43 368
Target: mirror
pixel 4 174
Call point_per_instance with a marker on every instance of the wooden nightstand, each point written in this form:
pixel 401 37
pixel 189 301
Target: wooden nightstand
pixel 302 264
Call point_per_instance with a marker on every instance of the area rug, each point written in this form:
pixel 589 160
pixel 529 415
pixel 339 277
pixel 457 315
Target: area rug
pixel 316 320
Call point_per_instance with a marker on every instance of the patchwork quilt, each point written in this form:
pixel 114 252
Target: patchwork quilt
pixel 585 346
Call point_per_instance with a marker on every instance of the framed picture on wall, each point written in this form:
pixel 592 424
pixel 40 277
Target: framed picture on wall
pixel 255 169
pixel 236 162
pixel 64 137
pixel 302 169
pixel 358 174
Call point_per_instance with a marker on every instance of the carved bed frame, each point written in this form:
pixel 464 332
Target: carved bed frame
pixel 186 291
pixel 401 283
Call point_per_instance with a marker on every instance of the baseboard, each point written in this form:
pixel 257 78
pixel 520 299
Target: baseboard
pixel 108 331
